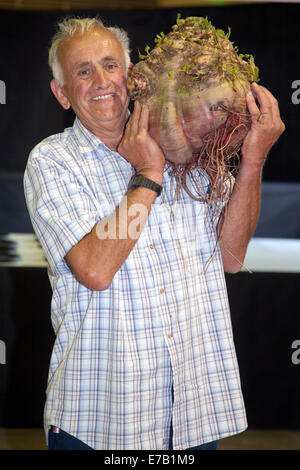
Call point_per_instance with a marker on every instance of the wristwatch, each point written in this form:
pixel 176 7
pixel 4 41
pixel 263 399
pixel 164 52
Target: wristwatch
pixel 138 181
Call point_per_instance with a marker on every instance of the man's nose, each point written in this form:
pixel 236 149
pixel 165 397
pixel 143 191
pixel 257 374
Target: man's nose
pixel 101 78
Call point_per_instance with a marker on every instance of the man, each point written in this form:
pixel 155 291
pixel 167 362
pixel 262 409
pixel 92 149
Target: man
pixel 143 334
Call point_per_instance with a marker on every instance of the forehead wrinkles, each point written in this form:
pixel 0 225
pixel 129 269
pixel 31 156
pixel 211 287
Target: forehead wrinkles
pixel 94 45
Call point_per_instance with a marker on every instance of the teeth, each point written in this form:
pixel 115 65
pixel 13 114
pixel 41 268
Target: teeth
pixel 104 97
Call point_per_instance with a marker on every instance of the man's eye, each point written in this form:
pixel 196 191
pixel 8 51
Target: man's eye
pixel 84 73
pixel 112 67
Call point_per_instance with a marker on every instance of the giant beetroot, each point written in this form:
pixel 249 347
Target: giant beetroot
pixel 195 84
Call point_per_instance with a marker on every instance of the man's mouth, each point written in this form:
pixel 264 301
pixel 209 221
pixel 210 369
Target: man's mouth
pixel 102 97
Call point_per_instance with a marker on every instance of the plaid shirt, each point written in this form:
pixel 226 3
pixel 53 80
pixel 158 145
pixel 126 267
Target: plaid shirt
pixel 163 324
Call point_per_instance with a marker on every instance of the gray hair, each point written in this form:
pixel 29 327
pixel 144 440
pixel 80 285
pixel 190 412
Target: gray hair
pixel 69 27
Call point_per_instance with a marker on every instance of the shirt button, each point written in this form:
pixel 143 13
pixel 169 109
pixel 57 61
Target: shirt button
pixel 151 246
pixel 170 335
pixel 161 291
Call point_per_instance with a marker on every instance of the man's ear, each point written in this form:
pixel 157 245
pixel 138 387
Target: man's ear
pixel 59 94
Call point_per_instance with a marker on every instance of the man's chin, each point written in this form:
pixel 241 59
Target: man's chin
pixel 111 115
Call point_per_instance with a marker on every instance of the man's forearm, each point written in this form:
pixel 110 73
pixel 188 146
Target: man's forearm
pixel 244 206
pixel 100 254
pixel 240 218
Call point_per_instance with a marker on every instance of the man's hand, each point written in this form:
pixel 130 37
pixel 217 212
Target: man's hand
pixel 139 148
pixel 266 127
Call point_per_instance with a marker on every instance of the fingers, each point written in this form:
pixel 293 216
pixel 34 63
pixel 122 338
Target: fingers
pixel 275 111
pixel 263 108
pixel 136 130
pixel 144 118
pixel 274 104
pixel 252 107
pixel 140 117
pixel 267 125
pixel 268 104
pixel 137 145
pixel 264 98
pixel 132 124
pixel 139 120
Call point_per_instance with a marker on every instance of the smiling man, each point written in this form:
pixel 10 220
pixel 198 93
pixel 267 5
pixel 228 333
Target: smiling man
pixel 144 355
pixel 94 83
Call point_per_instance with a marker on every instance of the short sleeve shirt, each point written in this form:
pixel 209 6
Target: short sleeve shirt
pixel 155 346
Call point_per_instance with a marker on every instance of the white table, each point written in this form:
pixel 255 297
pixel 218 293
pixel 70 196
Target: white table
pixel 273 255
pixel 263 254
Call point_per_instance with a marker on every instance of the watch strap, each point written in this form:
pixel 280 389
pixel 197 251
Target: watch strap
pixel 140 181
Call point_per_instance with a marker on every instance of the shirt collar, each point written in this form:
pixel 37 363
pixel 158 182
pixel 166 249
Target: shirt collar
pixel 87 140
pixel 89 143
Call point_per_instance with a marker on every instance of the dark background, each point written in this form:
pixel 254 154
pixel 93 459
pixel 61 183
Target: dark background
pixel 265 312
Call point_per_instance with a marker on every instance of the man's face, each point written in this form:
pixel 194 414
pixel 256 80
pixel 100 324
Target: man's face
pixel 95 74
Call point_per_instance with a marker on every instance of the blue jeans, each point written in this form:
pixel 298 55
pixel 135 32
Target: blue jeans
pixel 64 441
pixel 213 445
